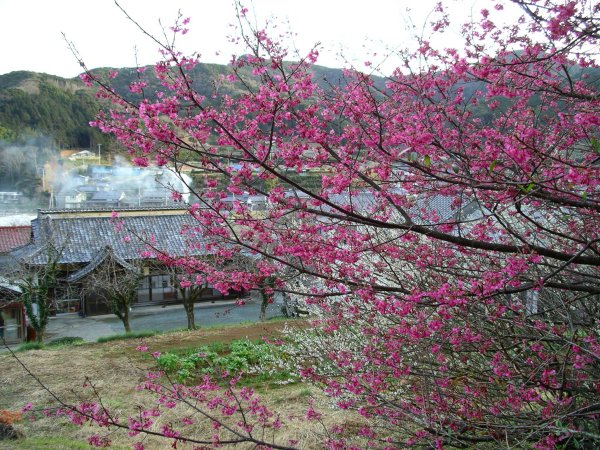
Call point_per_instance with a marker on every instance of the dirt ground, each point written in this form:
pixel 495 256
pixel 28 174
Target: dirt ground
pixel 115 368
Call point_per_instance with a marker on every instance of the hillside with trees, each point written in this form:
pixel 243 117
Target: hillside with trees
pixel 34 105
pixel 58 110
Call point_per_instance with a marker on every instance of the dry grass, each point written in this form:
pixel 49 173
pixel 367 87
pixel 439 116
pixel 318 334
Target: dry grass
pixel 116 368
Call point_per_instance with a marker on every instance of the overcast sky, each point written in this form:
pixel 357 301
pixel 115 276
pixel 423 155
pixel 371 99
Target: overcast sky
pixel 30 30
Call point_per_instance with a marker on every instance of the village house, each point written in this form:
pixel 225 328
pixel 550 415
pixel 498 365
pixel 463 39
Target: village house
pixel 12 314
pixel 83 240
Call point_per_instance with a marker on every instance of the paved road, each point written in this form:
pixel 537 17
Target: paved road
pixel 156 318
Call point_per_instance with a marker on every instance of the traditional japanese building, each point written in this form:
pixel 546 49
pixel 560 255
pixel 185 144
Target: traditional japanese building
pixel 82 241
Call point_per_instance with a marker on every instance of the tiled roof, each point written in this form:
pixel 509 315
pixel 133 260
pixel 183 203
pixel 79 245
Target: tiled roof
pixel 425 210
pixel 105 254
pixel 438 208
pixel 8 292
pixel 121 210
pixel 428 210
pixel 81 235
pixel 14 237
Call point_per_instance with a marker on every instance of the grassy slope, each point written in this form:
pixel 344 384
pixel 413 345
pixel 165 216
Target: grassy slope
pixel 115 368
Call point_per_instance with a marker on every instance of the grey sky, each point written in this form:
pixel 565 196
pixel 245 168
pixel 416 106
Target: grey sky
pixel 30 30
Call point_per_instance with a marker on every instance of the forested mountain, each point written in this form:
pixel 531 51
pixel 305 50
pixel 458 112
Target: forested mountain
pixel 34 105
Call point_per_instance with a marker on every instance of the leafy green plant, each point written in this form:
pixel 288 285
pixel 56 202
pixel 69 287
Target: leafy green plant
pixel 169 362
pixel 186 366
pixel 217 347
pixel 258 360
pixel 232 363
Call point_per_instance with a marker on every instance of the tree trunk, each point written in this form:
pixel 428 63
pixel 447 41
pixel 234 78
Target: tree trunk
pixel 189 312
pixel 287 309
pixel 263 308
pixel 39 336
pixel 125 320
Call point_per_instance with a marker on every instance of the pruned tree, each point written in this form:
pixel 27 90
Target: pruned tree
pixel 113 281
pixel 266 290
pixel 192 276
pixel 189 292
pixel 189 296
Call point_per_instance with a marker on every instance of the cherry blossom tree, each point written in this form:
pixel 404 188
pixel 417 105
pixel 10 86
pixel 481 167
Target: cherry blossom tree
pixel 451 246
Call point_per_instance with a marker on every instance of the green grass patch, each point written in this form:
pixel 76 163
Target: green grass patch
pixel 49 442
pixel 124 336
pixel 30 346
pixel 271 378
pixel 67 340
pixel 305 393
pixel 281 318
pixel 60 342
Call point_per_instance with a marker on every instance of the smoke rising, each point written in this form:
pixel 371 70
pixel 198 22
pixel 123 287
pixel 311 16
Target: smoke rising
pixel 119 185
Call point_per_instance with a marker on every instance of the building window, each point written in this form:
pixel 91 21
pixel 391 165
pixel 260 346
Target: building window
pixel 11 324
